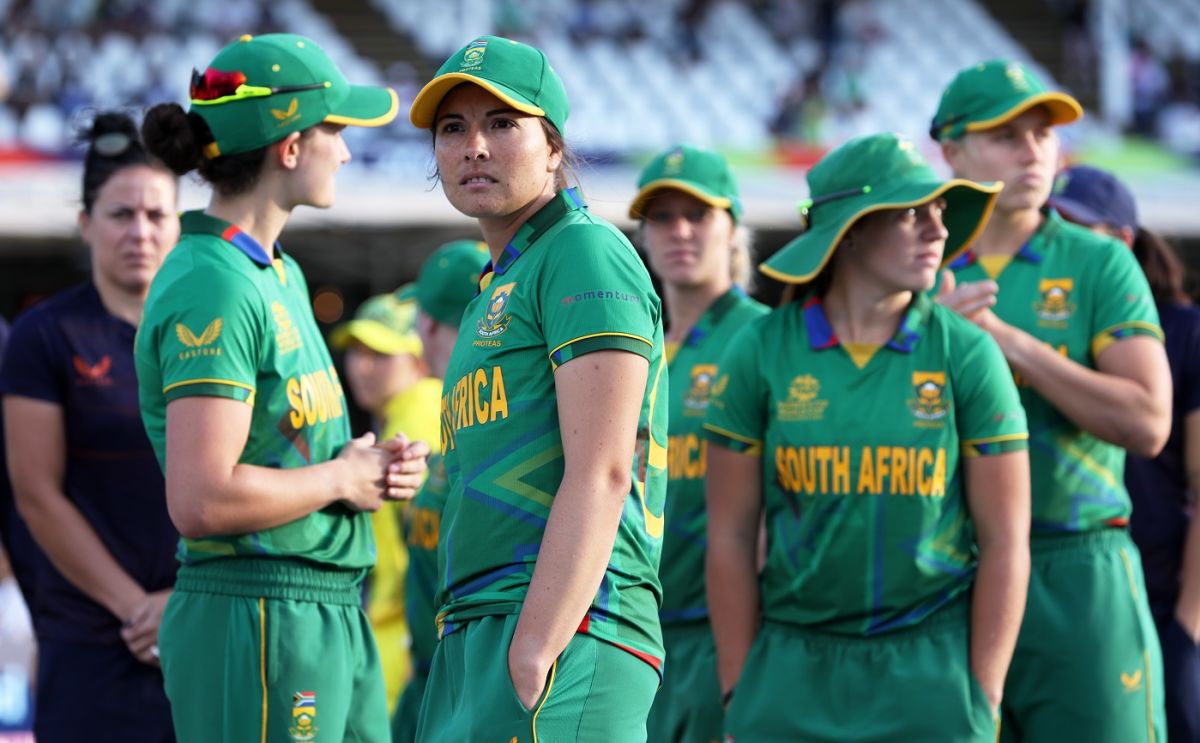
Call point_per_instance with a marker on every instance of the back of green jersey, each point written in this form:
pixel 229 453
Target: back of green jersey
pixel 224 320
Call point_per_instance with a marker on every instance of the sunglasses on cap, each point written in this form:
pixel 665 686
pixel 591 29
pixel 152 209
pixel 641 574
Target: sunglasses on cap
pixel 214 86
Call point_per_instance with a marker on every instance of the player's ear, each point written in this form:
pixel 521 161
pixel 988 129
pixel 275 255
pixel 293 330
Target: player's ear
pixel 951 151
pixel 287 151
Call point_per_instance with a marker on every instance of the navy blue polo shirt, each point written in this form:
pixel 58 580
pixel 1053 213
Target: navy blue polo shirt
pixel 1158 487
pixel 68 350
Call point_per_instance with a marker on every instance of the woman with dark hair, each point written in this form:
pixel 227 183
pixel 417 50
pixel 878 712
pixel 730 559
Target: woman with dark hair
pixel 882 437
pixel 553 430
pixel 264 637
pixel 1163 489
pixel 83 473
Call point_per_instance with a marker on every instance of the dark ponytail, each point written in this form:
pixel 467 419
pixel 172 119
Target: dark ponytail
pixel 113 145
pixel 1164 271
pixel 178 138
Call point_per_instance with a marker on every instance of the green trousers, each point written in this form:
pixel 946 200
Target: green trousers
pixel 688 706
pixel 1088 666
pixel 594 692
pixel 913 685
pixel 271 650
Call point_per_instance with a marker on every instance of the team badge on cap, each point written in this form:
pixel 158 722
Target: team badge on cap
pixel 473 54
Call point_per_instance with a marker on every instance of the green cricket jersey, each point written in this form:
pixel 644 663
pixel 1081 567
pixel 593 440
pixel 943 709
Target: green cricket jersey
pixel 1079 292
pixel 692 369
pixel 867 519
pixel 566 285
pixel 224 320
pixel 422 522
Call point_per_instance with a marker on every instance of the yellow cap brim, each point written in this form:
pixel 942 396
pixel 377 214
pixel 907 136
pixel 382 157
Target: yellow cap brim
pixel 637 210
pixel 1063 109
pixel 425 105
pixel 375 336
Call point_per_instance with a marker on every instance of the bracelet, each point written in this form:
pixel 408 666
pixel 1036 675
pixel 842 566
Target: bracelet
pixel 727 697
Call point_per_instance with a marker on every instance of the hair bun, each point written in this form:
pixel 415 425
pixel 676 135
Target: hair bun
pixel 111 134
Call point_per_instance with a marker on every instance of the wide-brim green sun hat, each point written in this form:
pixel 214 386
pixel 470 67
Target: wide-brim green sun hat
pixel 260 89
pixel 700 173
pixel 516 73
pixel 872 174
pixel 992 93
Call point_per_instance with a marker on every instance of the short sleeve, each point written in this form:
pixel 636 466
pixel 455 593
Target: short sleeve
pixel 737 408
pixel 988 411
pixel 208 335
pixel 33 361
pixel 1121 300
pixel 596 295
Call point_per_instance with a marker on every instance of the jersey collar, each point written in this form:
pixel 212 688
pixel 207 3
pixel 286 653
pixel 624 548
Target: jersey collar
pixel 1033 251
pixel 821 336
pixel 198 223
pixel 563 203
pixel 712 316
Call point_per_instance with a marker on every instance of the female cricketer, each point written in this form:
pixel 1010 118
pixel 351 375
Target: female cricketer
pixel 1076 322
pixel 83 473
pixel 883 437
pixel 553 431
pixel 264 637
pixel 690 226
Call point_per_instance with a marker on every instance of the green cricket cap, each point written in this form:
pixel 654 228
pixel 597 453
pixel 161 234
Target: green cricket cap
pixel 995 92
pixel 383 323
pixel 449 279
pixel 260 89
pixel 697 172
pixel 872 174
pixel 516 73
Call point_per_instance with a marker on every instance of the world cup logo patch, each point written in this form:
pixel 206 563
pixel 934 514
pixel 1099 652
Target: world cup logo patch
pixel 1054 304
pixel 930 405
pixel 495 320
pixel 803 401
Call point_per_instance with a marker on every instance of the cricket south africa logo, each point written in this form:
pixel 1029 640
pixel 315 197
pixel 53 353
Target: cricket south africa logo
pixel 1055 306
pixel 695 400
pixel 929 406
pixel 473 55
pixel 495 320
pixel 304 716
pixel 803 401
pixel 199 345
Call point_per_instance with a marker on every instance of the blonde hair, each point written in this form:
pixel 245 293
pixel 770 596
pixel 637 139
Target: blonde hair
pixel 741 258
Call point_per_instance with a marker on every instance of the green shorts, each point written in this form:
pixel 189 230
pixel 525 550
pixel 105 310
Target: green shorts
pixel 595 691
pixel 1088 664
pixel 688 706
pixel 271 650
pixel 913 685
pixel 408 709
